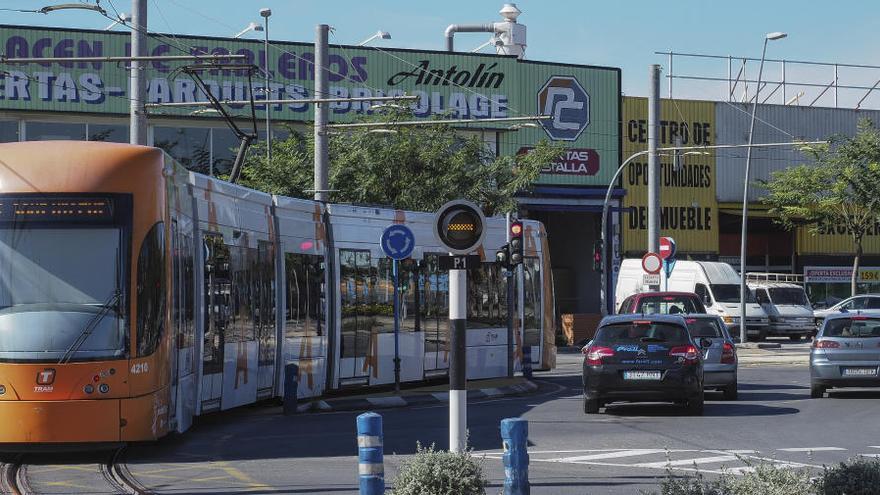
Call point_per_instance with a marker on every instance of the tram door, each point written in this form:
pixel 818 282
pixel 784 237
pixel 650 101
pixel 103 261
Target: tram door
pixel 218 312
pixel 434 285
pixel 264 313
pixel 183 390
pixel 356 293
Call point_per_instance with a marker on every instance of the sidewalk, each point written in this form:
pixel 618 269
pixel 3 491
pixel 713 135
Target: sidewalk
pixel 773 353
pixel 433 394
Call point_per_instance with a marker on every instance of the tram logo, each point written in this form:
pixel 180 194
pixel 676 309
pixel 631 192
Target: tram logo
pixel 568 103
pixel 46 377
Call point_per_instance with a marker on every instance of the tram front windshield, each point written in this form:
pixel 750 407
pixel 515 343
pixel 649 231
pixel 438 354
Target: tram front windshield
pixel 61 279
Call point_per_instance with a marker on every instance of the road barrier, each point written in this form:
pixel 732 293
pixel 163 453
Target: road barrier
pixel 291 384
pixel 515 439
pixel 371 468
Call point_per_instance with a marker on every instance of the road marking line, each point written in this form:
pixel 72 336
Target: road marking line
pixel 870 455
pixel 609 455
pixel 810 449
pixel 687 462
pixel 874 446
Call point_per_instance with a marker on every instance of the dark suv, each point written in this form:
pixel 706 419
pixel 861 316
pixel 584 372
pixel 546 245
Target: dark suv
pixel 662 303
pixel 643 358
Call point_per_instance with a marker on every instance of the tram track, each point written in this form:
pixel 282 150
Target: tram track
pixel 15 476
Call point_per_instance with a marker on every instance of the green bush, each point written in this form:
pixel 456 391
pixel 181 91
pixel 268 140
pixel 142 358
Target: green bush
pixel 766 479
pixel 437 472
pixel 856 476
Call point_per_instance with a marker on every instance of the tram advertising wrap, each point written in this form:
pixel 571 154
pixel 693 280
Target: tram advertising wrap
pixel 135 295
pixel 689 210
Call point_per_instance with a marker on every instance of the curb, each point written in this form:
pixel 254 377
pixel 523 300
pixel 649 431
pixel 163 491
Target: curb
pixel 389 402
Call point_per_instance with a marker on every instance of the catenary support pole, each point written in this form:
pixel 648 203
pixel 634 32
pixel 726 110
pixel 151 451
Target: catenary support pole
pixel 138 116
pixel 267 92
pixel 654 161
pixel 322 89
pixel 371 467
pixel 457 360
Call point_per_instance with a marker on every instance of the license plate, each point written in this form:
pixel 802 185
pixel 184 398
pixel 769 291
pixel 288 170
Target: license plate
pixel 641 375
pixel 860 372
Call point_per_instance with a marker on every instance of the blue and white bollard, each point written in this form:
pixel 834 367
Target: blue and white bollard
pixel 527 362
pixel 515 438
pixel 291 384
pixel 371 469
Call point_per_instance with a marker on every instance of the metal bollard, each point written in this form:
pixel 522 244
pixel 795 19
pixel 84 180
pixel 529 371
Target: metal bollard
pixel 527 362
pixel 515 438
pixel 291 384
pixel 371 470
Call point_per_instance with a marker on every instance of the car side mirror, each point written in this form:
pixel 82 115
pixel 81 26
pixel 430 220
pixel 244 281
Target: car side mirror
pixel 705 343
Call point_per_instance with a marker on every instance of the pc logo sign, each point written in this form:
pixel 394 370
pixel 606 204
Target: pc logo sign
pixel 565 100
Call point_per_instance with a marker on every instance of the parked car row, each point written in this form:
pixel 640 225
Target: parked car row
pixel 774 305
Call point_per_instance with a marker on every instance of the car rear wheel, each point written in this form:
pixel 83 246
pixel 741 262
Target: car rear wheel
pixel 816 391
pixel 695 405
pixel 731 392
pixel 794 338
pixel 591 406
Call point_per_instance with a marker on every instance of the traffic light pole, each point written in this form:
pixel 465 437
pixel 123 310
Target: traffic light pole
pixel 508 275
pixel 457 360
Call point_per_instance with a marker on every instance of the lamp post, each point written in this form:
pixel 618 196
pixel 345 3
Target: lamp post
pixel 385 35
pixel 253 26
pixel 265 14
pixel 745 206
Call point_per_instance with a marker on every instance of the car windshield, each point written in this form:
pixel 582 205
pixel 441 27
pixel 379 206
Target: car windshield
pixel 789 296
pixel 704 327
pixel 641 331
pixel 856 327
pixel 729 293
pixel 665 305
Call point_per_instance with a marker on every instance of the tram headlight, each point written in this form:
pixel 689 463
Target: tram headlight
pixel 2 389
pixel 104 388
pixel 88 388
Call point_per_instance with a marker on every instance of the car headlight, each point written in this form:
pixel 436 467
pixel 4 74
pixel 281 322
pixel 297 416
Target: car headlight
pixel 730 319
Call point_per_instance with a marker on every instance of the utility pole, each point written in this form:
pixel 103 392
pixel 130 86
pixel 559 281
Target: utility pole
pixel 138 117
pixel 653 161
pixel 322 83
pixel 457 360
pixel 265 14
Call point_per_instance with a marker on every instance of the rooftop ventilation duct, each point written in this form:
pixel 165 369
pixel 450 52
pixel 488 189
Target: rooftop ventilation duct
pixel 510 35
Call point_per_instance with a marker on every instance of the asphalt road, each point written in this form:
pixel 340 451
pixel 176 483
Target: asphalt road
pixel 624 450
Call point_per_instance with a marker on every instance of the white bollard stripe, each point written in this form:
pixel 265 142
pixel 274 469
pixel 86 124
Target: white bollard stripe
pixel 369 441
pixel 371 469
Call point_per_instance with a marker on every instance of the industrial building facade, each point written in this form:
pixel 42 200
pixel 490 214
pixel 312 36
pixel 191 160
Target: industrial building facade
pixel 701 196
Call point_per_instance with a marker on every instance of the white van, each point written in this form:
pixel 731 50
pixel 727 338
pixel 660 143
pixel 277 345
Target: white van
pixel 787 306
pixel 717 285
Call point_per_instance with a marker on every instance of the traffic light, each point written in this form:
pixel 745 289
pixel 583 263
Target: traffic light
pixel 597 256
pixel 516 243
pixel 503 256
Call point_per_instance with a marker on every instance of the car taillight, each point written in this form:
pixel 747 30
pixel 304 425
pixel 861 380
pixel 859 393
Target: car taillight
pixel 825 344
pixel 688 352
pixel 728 354
pixel 594 355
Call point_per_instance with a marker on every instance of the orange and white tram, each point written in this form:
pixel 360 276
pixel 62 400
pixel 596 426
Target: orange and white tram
pixel 136 295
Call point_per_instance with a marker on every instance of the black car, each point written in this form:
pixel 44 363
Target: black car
pixel 643 358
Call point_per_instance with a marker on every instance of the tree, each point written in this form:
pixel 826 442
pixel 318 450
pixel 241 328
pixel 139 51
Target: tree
pixel 408 167
pixel 839 192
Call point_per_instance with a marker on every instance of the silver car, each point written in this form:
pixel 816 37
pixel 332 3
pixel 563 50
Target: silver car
pixel 719 353
pixel 846 352
pixel 862 302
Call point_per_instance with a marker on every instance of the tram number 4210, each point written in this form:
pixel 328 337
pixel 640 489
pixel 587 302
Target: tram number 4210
pixel 139 368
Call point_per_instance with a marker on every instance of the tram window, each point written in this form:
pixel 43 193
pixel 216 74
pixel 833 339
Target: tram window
pixel 434 284
pixel 151 290
pixel 305 296
pixel 218 301
pixel 487 298
pixel 243 268
pixel 191 146
pixel 410 298
pixel 8 131
pixel 532 296
pixel 357 288
pixel 45 131
pixel 108 133
pixel 264 284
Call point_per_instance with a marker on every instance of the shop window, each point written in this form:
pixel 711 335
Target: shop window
pixel 108 133
pixel 188 145
pixel 46 131
pixel 151 290
pixel 8 131
pixel 224 148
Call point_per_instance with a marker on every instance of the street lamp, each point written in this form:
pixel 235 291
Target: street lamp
pixel 253 26
pixel 385 35
pixel 123 19
pixel 265 13
pixel 72 6
pixel 745 206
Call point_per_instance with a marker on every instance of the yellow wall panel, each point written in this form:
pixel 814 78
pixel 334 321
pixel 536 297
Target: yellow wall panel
pixel 689 211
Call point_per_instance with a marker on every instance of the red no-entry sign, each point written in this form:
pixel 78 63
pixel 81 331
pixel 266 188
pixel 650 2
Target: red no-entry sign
pixel 667 248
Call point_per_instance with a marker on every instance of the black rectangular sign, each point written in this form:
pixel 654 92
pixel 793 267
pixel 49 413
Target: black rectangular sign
pixel 15 208
pixel 460 262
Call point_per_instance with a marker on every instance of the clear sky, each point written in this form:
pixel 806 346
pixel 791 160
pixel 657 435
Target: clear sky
pixel 612 33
